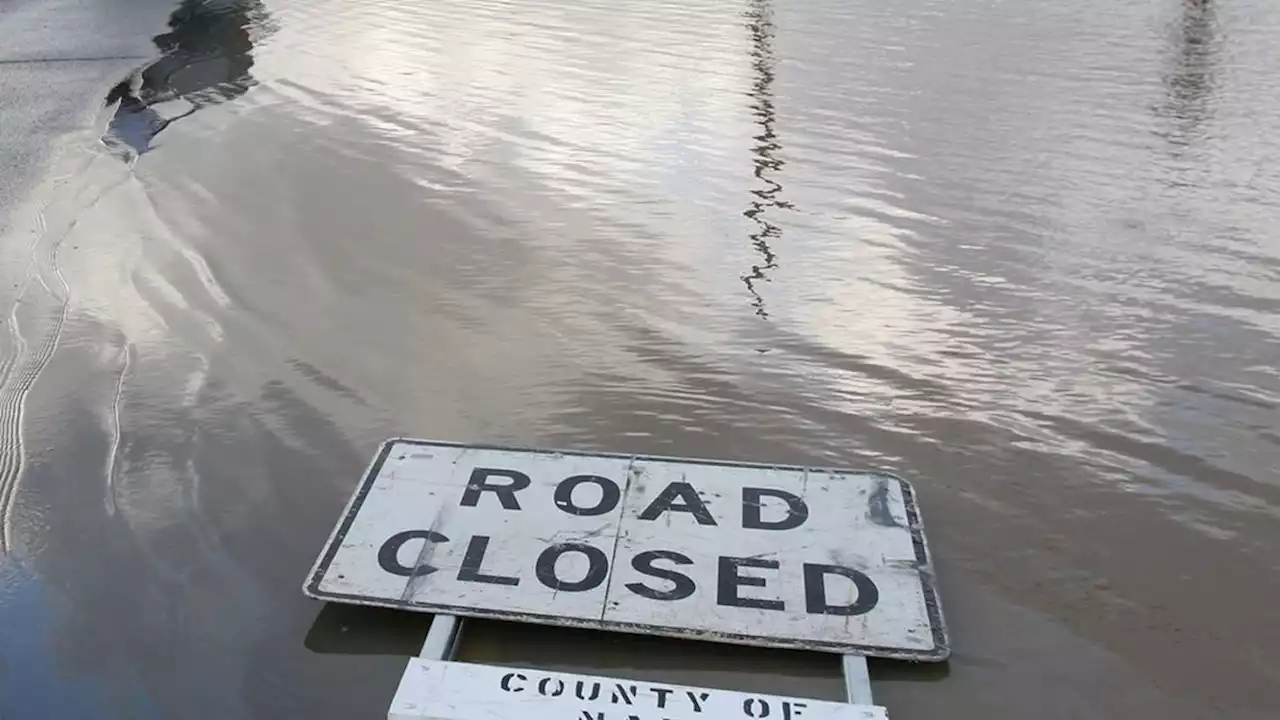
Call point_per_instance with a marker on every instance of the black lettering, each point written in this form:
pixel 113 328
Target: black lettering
pixel 749 705
pixel 731 580
pixel 753 504
pixel 586 715
pixel 620 691
pixel 691 502
pixel 610 494
pixel 506 492
pixel 580 690
pixel 791 709
pixel 474 559
pixel 506 682
pixel 815 590
pixel 662 696
pixel 389 553
pixel 597 569
pixel 542 687
pixel 697 706
pixel 682 585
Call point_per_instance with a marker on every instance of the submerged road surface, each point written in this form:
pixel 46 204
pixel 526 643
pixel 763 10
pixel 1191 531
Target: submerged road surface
pixel 1021 253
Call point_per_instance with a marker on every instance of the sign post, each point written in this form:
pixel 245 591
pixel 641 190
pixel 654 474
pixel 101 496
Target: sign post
pixel 776 556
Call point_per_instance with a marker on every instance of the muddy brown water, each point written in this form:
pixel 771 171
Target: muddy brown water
pixel 1023 254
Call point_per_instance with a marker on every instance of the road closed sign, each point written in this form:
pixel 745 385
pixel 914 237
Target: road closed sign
pixel 778 556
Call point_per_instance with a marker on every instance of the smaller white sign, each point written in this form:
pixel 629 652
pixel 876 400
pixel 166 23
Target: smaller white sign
pixel 441 690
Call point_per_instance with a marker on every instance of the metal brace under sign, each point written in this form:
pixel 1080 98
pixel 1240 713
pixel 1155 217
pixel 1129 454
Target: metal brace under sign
pixel 777 556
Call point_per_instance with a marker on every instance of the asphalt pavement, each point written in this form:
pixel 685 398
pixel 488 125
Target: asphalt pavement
pixel 58 59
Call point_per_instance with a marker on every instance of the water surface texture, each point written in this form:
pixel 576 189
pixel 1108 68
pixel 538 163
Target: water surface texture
pixel 1024 254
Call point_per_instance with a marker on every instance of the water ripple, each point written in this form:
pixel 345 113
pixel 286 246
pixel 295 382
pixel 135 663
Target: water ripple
pixel 1021 252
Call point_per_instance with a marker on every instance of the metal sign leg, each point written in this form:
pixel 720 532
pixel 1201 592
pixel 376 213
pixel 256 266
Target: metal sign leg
pixel 857 681
pixel 442 638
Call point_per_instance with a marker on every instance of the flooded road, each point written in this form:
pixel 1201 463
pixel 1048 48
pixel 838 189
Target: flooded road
pixel 1023 254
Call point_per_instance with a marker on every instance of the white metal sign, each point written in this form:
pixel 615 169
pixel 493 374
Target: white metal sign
pixel 442 690
pixel 753 554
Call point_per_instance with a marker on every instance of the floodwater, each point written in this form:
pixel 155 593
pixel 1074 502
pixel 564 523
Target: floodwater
pixel 1025 254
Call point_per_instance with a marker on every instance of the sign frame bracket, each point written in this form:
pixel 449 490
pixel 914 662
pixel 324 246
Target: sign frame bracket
pixel 442 638
pixel 857 679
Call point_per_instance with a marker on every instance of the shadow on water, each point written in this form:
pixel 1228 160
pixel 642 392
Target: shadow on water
pixel 763 60
pixel 358 630
pixel 1191 80
pixel 206 58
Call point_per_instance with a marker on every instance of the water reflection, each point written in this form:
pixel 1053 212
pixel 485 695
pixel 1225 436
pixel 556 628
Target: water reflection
pixel 988 290
pixel 206 58
pixel 1190 83
pixel 29 665
pixel 765 195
